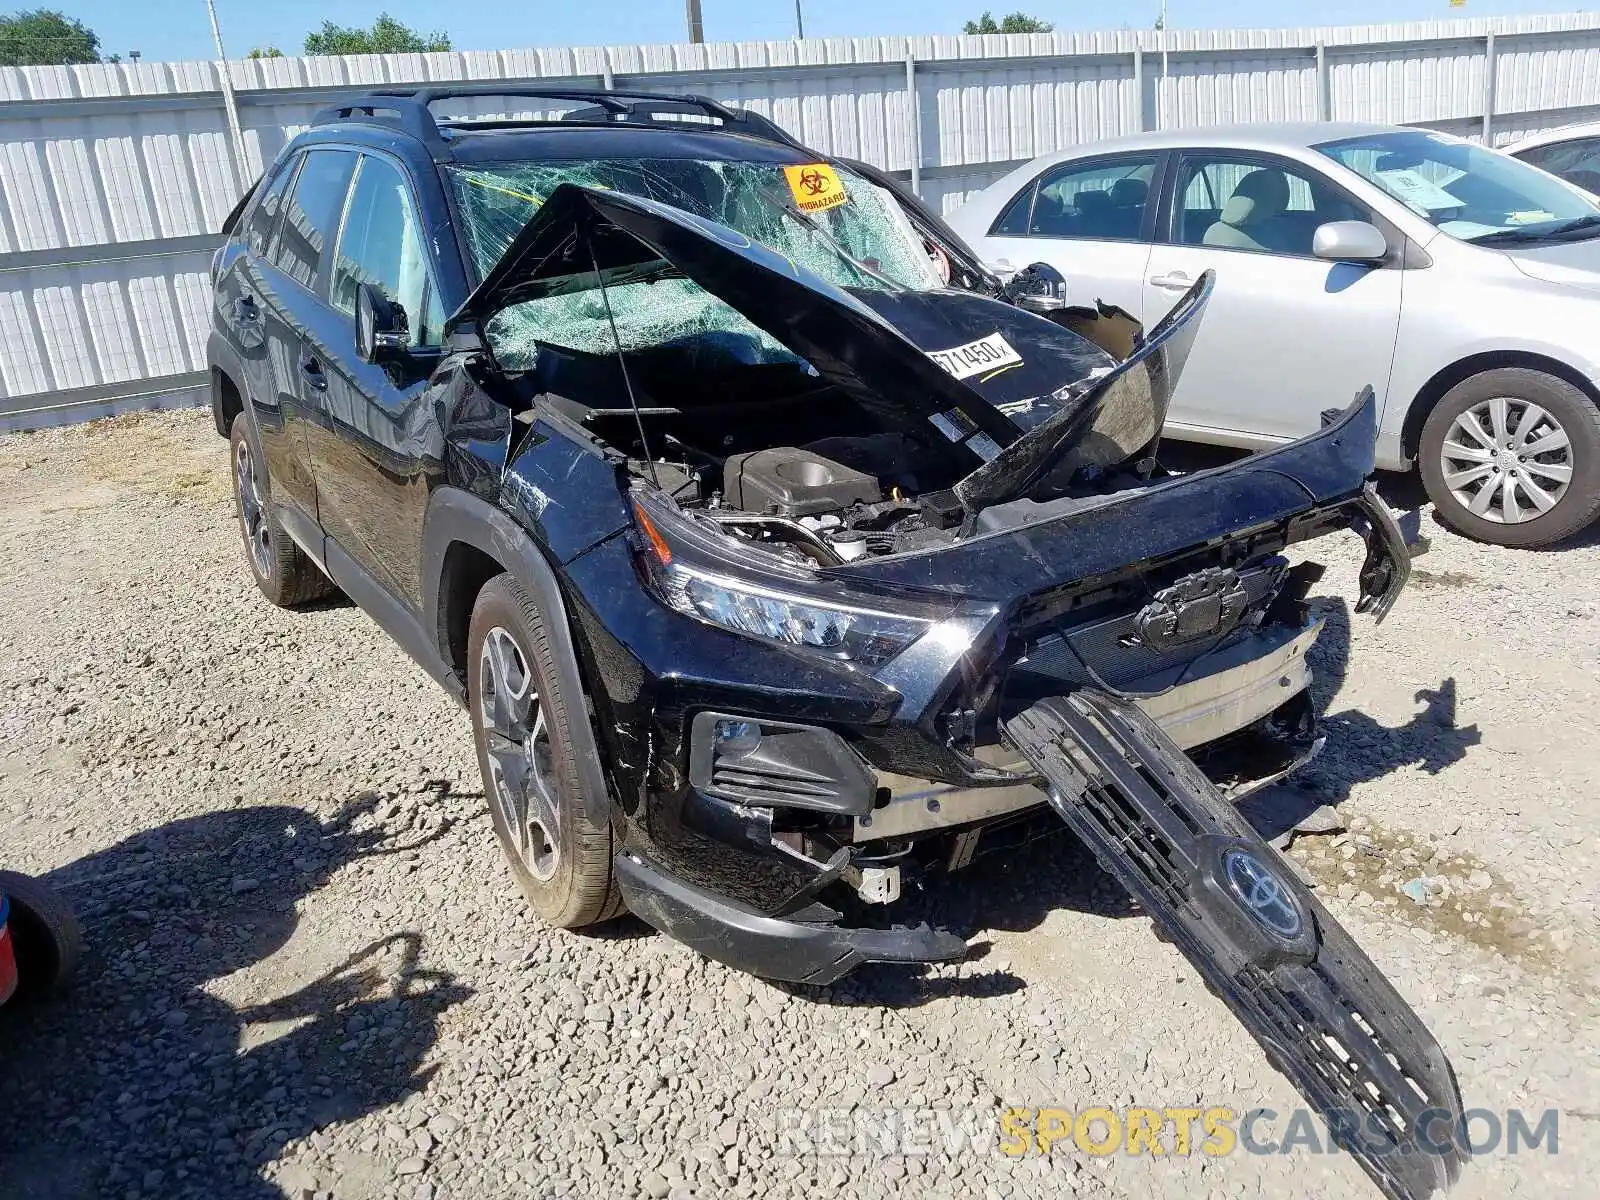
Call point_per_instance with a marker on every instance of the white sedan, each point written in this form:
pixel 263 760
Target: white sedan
pixel 1572 152
pixel 1461 284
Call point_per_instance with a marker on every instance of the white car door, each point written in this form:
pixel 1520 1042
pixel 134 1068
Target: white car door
pixel 1287 335
pixel 1090 220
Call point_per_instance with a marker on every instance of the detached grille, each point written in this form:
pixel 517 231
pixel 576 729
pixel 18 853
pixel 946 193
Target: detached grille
pixel 1325 1015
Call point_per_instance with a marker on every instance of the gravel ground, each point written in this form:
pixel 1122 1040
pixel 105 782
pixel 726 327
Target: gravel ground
pixel 309 975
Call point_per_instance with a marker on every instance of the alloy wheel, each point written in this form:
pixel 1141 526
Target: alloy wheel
pixel 1506 460
pixel 521 763
pixel 252 513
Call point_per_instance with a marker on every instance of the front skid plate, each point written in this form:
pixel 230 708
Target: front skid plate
pixel 1325 1015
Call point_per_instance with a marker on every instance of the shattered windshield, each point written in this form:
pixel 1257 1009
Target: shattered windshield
pixel 827 220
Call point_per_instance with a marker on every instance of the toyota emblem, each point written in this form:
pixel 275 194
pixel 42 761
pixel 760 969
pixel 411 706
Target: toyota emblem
pixel 1263 894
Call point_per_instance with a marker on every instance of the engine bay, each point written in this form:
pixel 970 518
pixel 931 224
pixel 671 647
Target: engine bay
pixel 829 499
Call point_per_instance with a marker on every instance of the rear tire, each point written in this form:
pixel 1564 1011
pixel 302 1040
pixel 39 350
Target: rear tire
pixel 280 568
pixel 522 725
pixel 44 934
pixel 1476 469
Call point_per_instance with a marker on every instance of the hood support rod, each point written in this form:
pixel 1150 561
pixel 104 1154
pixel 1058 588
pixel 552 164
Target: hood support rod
pixel 622 359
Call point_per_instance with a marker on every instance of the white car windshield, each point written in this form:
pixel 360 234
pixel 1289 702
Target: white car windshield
pixel 1471 193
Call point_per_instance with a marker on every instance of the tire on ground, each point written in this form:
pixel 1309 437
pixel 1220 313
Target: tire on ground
pixel 44 934
pixel 290 578
pixel 1578 416
pixel 582 891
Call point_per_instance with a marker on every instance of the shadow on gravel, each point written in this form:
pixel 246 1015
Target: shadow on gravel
pixel 1360 749
pixel 139 1082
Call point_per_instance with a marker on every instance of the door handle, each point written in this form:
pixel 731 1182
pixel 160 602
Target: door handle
pixel 311 371
pixel 1176 280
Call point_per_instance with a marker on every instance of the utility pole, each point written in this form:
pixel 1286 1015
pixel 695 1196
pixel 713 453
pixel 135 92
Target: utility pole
pixel 799 21
pixel 230 104
pixel 697 25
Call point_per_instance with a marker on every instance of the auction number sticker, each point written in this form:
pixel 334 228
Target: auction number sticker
pixel 815 186
pixel 976 358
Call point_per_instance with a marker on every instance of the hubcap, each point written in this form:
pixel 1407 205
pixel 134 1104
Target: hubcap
pixel 252 515
pixel 521 766
pixel 1506 460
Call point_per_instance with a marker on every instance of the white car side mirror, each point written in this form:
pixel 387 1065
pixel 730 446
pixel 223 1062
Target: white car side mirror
pixel 1350 241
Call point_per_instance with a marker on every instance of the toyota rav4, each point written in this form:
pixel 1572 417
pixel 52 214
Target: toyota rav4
pixel 781 556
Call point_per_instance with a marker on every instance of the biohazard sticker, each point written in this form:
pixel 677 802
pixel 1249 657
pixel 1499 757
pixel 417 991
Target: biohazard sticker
pixel 815 186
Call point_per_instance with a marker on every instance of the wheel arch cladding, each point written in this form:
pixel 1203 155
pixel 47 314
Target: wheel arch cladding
pixel 1463 369
pixel 227 388
pixel 463 572
pixel 463 536
pixel 227 400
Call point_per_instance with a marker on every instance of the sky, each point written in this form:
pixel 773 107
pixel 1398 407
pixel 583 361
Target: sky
pixel 178 29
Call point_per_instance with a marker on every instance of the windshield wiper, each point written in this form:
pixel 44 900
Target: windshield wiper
pixel 1586 225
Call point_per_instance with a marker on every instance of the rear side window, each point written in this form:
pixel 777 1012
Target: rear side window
pixel 382 244
pixel 264 217
pixel 312 213
pixel 1102 200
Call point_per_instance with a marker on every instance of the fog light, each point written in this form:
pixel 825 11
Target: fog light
pixel 765 762
pixel 737 737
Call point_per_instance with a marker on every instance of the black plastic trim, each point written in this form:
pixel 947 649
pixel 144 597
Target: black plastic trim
pixel 397 621
pixel 303 531
pixel 221 356
pixel 796 766
pixel 772 947
pixel 457 516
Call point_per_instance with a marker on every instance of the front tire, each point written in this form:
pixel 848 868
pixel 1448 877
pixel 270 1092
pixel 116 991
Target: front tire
pixel 280 568
pixel 522 725
pixel 1512 457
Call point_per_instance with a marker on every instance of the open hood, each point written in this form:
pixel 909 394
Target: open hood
pixel 1018 394
pixel 1115 416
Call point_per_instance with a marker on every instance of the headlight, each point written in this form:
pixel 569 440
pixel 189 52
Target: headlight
pixel 789 606
pixel 857 634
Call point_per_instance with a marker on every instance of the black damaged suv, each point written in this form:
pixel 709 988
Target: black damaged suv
pixel 783 556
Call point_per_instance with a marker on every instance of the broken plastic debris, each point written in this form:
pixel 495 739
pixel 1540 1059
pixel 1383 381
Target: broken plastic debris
pixel 1416 890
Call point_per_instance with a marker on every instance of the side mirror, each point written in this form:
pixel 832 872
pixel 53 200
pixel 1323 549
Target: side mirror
pixel 1350 241
pixel 1038 287
pixel 382 333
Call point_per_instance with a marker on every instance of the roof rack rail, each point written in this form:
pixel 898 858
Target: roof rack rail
pixel 408 109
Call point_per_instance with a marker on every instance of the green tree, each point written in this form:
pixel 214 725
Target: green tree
pixel 387 36
pixel 43 37
pixel 265 52
pixel 1014 23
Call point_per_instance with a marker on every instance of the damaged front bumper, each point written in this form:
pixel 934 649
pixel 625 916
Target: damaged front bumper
pixel 807 946
pixel 1244 684
pixel 805 942
pixel 865 762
